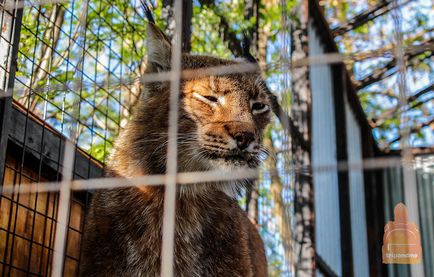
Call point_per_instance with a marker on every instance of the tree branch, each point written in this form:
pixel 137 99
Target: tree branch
pixel 412 130
pixel 390 48
pixel 420 93
pixel 387 93
pixel 390 112
pixel 381 73
pixel 376 11
pixel 228 35
pixel 45 55
pixel 419 103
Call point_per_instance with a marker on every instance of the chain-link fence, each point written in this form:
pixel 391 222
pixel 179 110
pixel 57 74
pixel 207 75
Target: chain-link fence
pixel 70 73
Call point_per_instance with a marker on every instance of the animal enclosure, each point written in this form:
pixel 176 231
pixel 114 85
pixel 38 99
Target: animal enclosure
pixel 72 70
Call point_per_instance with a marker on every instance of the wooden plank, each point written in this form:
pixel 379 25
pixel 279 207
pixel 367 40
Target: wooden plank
pixel 26 238
pixel 42 142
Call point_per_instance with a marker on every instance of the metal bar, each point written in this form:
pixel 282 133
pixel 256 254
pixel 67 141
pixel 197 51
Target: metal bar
pixel 409 174
pixel 5 120
pixel 339 88
pixel 40 164
pixel 8 228
pixel 63 211
pixel 6 102
pixel 187 178
pixel 67 177
pixel 328 58
pixel 169 211
pixel 324 268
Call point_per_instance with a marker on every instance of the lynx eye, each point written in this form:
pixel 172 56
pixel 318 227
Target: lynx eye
pixel 208 99
pixel 258 108
pixel 211 98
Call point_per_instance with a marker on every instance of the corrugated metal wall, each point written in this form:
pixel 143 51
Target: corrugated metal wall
pixel 394 193
pixel 327 225
pixel 425 190
pixel 357 195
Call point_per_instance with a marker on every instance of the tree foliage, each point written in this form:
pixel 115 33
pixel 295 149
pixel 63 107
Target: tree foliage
pixel 77 64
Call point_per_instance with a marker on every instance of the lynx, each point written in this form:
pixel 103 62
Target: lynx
pixel 222 119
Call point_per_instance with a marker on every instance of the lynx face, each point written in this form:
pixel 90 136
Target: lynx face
pixel 221 121
pixel 226 114
pixel 230 114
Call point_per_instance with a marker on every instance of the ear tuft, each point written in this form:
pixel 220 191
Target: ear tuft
pixel 148 12
pixel 159 49
pixel 245 44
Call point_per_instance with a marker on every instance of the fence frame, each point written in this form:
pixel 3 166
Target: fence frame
pixel 14 136
pixel 19 135
pixel 6 102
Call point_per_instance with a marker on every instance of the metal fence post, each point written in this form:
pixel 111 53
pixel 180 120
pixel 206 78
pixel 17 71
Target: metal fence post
pixel 6 98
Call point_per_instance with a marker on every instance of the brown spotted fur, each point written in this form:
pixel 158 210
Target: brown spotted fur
pixel 213 234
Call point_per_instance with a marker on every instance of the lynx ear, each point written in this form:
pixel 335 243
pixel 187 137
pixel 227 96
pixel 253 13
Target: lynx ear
pixel 159 49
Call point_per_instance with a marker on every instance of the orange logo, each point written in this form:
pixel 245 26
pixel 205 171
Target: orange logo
pixel 401 240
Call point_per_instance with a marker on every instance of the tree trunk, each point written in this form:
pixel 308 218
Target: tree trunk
pixel 252 204
pixel 251 10
pixel 300 112
pixel 187 13
pixel 281 209
pixel 44 58
pixel 225 31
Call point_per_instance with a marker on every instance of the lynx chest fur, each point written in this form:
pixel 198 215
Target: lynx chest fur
pixel 221 123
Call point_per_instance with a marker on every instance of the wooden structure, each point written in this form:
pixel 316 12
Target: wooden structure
pixel 28 221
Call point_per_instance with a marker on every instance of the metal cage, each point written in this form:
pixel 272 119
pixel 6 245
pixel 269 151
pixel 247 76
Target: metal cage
pixel 70 73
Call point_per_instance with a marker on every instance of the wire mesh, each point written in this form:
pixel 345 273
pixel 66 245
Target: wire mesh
pixel 103 50
pixel 78 76
pixel 60 99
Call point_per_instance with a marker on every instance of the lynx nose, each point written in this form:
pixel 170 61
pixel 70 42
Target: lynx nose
pixel 244 139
